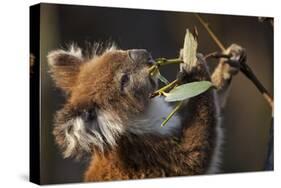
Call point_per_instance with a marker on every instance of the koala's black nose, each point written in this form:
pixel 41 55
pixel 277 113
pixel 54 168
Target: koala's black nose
pixel 140 56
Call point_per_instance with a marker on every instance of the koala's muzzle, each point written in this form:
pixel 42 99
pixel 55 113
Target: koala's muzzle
pixel 141 56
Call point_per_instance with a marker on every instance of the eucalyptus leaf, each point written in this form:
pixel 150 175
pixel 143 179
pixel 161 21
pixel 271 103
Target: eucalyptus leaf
pixel 162 78
pixel 187 91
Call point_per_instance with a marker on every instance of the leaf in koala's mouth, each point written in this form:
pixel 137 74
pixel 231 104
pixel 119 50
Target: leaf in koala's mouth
pixel 163 79
pixel 187 91
pixel 154 71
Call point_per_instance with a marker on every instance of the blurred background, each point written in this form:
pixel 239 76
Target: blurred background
pixel 247 116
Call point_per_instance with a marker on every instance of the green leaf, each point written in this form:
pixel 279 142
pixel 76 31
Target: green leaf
pixel 162 78
pixel 188 90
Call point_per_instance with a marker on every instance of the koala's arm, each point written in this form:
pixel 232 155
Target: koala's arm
pixel 225 70
pixel 200 135
pixel 199 120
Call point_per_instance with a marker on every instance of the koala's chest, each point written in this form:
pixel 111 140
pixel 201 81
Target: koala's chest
pixel 150 121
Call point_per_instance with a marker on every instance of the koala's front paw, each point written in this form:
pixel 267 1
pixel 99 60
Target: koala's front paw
pixel 227 68
pixel 238 56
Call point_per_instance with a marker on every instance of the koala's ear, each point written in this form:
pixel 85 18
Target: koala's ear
pixel 64 66
pixel 77 133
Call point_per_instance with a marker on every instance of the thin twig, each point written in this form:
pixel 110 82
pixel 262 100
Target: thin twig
pixel 162 90
pixel 217 55
pixel 172 113
pixel 246 70
pixel 212 34
pixel 164 61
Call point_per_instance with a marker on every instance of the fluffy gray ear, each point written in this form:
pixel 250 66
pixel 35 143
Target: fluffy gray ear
pixel 76 133
pixel 85 132
pixel 64 66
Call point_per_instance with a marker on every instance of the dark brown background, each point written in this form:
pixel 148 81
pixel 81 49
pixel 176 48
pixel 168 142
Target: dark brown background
pixel 247 116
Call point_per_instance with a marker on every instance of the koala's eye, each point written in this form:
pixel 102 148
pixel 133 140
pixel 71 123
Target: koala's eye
pixel 124 80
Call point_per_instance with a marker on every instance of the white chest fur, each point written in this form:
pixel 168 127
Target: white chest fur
pixel 150 121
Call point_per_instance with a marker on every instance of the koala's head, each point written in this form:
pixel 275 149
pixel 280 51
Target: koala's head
pixel 103 93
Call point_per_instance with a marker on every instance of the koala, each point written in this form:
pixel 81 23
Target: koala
pixel 109 116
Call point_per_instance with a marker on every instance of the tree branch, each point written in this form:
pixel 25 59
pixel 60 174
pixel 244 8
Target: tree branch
pixel 245 69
